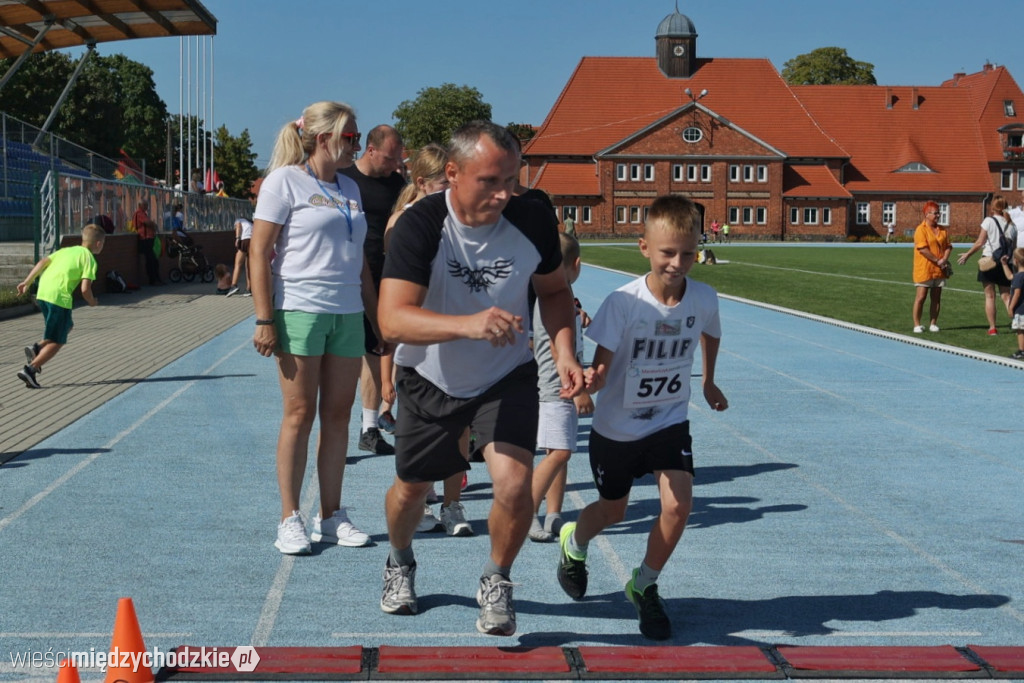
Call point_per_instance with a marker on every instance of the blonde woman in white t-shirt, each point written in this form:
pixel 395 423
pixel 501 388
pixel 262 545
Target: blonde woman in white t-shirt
pixel 309 309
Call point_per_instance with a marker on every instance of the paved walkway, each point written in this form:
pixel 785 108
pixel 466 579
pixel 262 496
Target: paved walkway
pixel 112 348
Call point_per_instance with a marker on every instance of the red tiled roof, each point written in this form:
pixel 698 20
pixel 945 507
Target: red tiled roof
pixel 609 98
pixel 567 179
pixel 941 133
pixel 811 181
pixel 986 91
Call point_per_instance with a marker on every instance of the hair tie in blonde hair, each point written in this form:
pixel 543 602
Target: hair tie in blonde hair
pixel 300 124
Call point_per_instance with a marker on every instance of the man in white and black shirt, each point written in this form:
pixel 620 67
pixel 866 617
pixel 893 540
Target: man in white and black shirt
pixel 454 297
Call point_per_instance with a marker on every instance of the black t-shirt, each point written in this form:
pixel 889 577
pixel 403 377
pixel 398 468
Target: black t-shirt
pixel 379 196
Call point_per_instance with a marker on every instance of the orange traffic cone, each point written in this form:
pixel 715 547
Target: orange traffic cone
pixel 127 639
pixel 68 672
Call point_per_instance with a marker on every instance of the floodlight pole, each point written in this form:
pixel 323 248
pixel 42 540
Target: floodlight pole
pixel 67 91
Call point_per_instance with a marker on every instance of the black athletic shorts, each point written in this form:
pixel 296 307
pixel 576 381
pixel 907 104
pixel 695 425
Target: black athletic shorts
pixel 430 421
pixel 615 464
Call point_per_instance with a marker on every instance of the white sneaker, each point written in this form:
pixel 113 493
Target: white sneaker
pixel 454 519
pixel 432 495
pixel 291 536
pixel 933 328
pixel 429 521
pixel 338 530
pixel 918 329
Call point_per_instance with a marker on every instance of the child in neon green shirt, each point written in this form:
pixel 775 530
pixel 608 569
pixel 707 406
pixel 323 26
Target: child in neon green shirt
pixel 59 275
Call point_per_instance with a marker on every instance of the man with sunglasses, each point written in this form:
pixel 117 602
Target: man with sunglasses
pixel 377 172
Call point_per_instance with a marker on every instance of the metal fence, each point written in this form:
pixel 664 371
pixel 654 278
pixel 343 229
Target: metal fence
pixel 78 201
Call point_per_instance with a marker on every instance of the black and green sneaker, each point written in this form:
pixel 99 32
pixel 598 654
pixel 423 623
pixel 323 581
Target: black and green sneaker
pixel 572 572
pixel 650 610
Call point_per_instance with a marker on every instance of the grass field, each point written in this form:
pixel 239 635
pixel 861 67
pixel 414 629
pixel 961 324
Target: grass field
pixel 869 286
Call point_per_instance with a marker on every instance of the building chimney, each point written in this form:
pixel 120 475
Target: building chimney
pixel 957 76
pixel 987 67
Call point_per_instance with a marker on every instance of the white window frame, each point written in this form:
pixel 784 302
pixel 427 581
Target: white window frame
pixel 621 172
pixel 1006 179
pixel 634 214
pixel 748 215
pixel 748 173
pixel 691 173
pixel 705 173
pixel 888 213
pixel 1008 108
pixel 587 214
pixel 734 215
pixel 646 211
pixel 620 214
pixel 863 213
pixel 761 215
pixel 943 214
pixel 734 173
pixel 634 172
pixel 677 172
pixel 1020 179
pixel 794 215
pixel 648 172
pixel 762 173
pixel 826 215
pixel 569 211
pixel 810 215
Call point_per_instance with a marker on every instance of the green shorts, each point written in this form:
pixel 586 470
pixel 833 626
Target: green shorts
pixel 314 334
pixel 57 322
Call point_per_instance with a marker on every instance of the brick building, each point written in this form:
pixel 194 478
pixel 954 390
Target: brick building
pixel 774 161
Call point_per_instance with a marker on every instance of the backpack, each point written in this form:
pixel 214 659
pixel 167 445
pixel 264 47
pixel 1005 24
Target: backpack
pixel 116 283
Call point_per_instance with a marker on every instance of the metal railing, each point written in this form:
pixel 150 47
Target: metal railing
pixel 69 202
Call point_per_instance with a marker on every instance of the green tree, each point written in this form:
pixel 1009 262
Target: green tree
pixel 235 161
pixel 437 112
pixel 523 131
pixel 828 66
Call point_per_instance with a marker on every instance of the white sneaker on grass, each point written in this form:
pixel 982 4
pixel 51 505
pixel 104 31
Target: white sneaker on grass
pixel 338 530
pixel 291 536
pixel 454 519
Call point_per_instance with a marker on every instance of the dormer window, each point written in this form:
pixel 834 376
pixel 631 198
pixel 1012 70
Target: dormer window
pixel 914 167
pixel 1008 108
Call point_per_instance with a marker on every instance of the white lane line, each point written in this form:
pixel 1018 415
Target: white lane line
pixel 767 635
pixel 64 478
pixel 275 596
pixel 878 525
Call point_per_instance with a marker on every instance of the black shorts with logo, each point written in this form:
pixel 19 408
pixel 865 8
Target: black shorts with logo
pixel 615 464
pixel 430 421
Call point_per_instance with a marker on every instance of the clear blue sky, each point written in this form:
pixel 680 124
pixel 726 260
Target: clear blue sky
pixel 273 57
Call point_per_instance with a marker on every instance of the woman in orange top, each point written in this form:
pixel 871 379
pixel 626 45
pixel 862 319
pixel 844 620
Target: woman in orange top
pixel 931 262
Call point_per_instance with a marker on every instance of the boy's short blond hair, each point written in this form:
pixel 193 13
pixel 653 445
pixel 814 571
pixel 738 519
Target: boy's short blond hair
pixel 675 213
pixel 1018 257
pixel 93 234
pixel 570 248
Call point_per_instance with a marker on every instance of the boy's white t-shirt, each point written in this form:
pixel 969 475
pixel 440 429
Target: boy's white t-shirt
pixel 648 384
pixel 318 254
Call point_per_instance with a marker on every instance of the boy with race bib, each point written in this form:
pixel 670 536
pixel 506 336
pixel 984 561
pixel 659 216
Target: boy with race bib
pixel 647 333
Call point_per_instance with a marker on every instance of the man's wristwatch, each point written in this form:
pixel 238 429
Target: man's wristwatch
pixel 264 321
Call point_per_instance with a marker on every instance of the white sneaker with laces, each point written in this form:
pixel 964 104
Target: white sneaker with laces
pixel 338 530
pixel 933 328
pixel 291 536
pixel 429 521
pixel 454 519
pixel 918 329
pixel 497 615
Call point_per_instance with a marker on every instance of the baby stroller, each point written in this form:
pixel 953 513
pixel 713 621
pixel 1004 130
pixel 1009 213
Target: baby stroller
pixel 191 261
